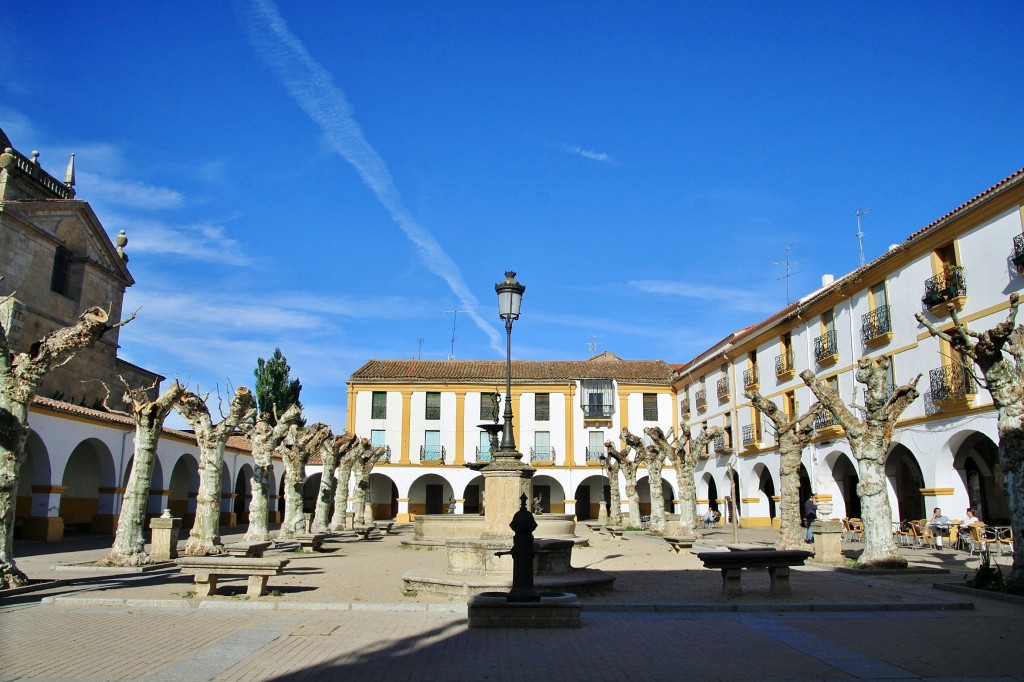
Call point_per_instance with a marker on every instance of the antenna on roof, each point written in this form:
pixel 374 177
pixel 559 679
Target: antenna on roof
pixel 861 212
pixel 593 344
pixel 789 273
pixel 455 319
pixel 419 351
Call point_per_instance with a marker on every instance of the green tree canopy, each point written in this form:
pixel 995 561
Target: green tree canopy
pixel 274 388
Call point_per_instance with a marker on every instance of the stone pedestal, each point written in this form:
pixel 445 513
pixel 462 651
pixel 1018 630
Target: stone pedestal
pixel 828 536
pixel 506 479
pixel 554 610
pixel 165 532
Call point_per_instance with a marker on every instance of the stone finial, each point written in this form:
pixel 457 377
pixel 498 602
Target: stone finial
pixel 35 156
pixel 69 174
pixel 120 241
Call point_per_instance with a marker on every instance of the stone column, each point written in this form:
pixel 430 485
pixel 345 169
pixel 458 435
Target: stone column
pixel 45 522
pixel 403 510
pixel 570 507
pixel 828 537
pixel 165 530
pixel 460 506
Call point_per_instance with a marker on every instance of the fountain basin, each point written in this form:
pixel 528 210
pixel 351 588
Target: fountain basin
pixel 552 610
pixel 436 529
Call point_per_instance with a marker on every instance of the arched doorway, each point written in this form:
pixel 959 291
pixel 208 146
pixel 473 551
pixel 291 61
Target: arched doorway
pixel 383 496
pixel 90 489
pixel 805 488
pixel 977 462
pixel 733 501
pixel 474 496
pixel 766 488
pixel 844 474
pixel 904 474
pixel 711 489
pixel 310 492
pixel 243 493
pixel 589 494
pixel 551 493
pixel 643 489
pixel 430 494
pixel 183 489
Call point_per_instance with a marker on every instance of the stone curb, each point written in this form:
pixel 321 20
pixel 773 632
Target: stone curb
pixel 462 608
pixel 975 592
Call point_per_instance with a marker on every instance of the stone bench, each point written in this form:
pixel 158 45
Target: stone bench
pixel 311 542
pixel 777 562
pixel 385 526
pixel 615 531
pixel 365 531
pixel 208 569
pixel 678 543
pixel 252 550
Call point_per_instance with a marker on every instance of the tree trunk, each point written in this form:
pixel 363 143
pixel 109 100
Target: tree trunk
pixel 684 461
pixel 369 460
pixel 614 494
pixel 792 435
pixel 20 376
pixel 265 438
pixel 339 521
pixel 869 443
pixel 653 458
pixel 204 537
pixel 297 451
pixel 149 416
pixel 999 354
pixel 325 496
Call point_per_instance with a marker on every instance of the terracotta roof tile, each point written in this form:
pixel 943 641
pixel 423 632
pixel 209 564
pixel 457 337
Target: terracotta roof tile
pixel 604 366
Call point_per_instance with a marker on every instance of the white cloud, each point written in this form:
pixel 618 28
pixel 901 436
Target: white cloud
pixel 738 299
pixel 128 192
pixel 313 89
pixel 588 154
pixel 195 241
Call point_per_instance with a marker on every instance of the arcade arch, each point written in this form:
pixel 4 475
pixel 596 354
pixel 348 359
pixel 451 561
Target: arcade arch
pixel 906 481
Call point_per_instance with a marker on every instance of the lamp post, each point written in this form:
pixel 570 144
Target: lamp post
pixel 602 511
pixel 510 298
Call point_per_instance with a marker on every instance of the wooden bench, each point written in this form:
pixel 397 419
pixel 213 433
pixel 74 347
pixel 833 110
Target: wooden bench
pixel 208 569
pixel 385 526
pixel 311 542
pixel 252 550
pixel 777 562
pixel 678 543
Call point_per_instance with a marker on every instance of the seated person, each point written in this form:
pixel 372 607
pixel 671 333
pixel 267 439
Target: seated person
pixel 939 525
pixel 970 519
pixel 716 516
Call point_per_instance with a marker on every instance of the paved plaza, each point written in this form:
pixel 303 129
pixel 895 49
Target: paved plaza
pixel 342 614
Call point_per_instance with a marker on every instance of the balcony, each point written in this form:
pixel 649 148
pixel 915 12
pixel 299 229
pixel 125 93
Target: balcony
pixel 684 407
pixel 432 413
pixel 483 454
pixel 750 436
pixel 597 413
pixel 826 350
pixel 751 379
pixel 952 387
pixel 432 453
pixel 543 453
pixel 595 453
pixel 785 366
pixel 827 426
pixel 1018 253
pixel 701 399
pixel 875 327
pixel 949 287
pixel 722 445
pixel 722 389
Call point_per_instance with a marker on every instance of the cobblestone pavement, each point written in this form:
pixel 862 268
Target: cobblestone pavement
pixel 72 635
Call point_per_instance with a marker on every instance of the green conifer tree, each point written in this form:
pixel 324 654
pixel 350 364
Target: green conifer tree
pixel 274 388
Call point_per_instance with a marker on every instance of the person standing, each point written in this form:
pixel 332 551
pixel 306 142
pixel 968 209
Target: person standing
pixel 810 513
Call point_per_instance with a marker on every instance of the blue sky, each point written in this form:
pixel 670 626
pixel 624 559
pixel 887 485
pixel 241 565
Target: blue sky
pixel 332 177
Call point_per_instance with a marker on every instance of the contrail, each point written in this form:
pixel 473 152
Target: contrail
pixel 313 89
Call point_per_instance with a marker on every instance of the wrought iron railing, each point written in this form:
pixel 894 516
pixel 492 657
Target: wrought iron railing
pixel 825 419
pixel 750 435
pixel 432 453
pixel 945 286
pixel 751 377
pixel 951 381
pixel 875 323
pixel 684 406
pixel 542 413
pixel 722 388
pixel 701 399
pixel 432 413
pixel 595 453
pixel 483 454
pixel 784 363
pixel 1018 252
pixel 542 453
pixel 598 411
pixel 722 443
pixel 825 346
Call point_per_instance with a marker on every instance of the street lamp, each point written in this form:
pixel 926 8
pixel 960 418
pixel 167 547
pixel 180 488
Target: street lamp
pixel 602 511
pixel 510 298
